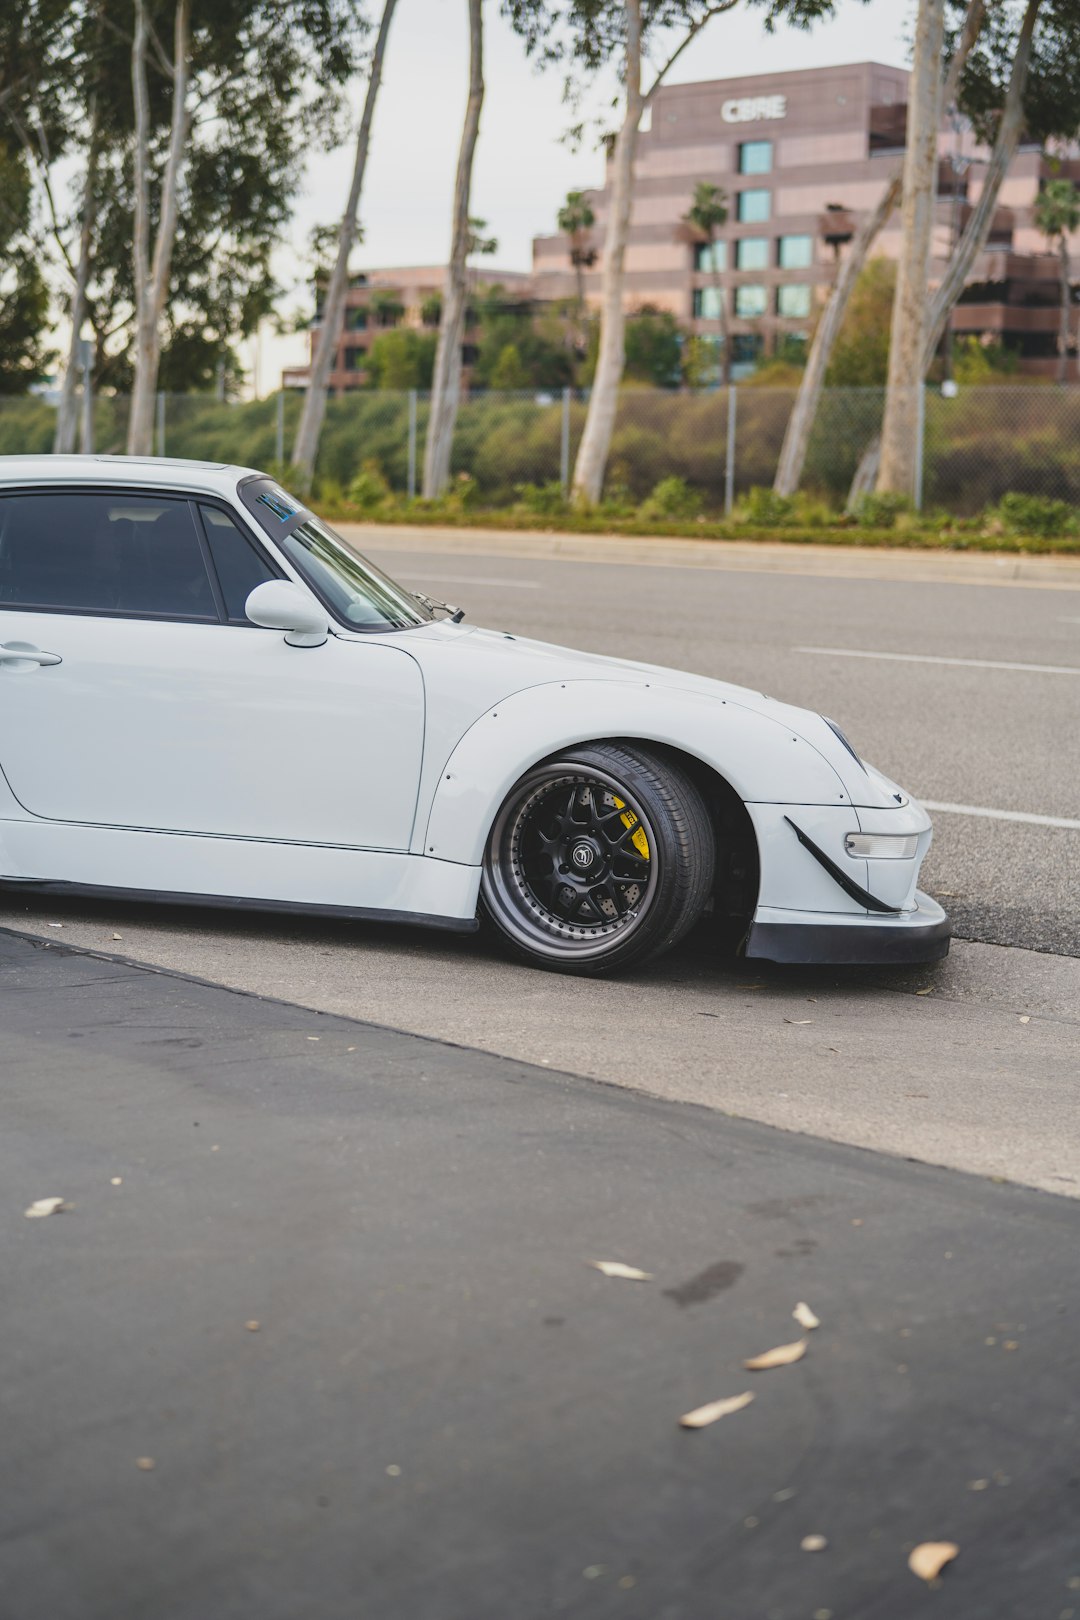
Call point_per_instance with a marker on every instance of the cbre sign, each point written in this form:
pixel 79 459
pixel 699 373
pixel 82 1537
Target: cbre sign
pixel 750 109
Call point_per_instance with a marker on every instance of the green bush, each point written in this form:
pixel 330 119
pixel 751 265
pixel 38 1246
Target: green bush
pixel 545 500
pixel 1035 514
pixel 880 511
pixel 369 490
pixel 672 498
pixel 763 508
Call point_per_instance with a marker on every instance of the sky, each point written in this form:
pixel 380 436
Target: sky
pixel 523 169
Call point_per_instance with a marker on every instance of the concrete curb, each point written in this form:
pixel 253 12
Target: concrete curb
pixel 754 556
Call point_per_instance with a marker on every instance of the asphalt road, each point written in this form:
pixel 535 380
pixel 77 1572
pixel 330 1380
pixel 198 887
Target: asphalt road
pixel 443 1411
pixel 955 733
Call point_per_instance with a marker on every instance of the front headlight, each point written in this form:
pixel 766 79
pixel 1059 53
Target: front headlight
pixel 882 846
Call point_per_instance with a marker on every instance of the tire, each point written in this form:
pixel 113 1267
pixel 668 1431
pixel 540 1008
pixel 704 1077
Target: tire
pixel 599 858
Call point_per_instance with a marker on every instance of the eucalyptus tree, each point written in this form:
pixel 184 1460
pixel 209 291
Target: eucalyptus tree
pixel 446 380
pixel 333 315
pixel 1057 215
pixel 707 215
pixel 587 36
pixel 804 412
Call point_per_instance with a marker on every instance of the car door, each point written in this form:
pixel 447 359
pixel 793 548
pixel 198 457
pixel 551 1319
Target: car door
pixel 134 693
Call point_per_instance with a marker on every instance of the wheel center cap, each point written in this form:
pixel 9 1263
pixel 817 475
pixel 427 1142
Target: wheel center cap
pixel 583 856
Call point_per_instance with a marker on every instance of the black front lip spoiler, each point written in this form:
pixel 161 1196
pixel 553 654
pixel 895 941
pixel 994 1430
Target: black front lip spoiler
pixel 847 945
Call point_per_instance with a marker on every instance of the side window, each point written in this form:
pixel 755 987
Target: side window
pixel 102 552
pixel 240 565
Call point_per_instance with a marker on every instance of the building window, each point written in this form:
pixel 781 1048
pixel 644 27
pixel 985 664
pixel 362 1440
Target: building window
pixel 755 157
pixel 710 256
pixel 796 252
pixel 708 303
pixel 750 302
pixel 356 320
pixel 793 301
pixel 746 350
pixel 354 359
pixel 752 253
pixel 754 207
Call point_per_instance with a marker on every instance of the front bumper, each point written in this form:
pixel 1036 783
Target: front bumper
pixel 919 935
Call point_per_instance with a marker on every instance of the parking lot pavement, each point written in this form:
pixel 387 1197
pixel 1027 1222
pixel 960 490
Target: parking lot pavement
pixel 317 1335
pixel 957 675
pixel 970 1063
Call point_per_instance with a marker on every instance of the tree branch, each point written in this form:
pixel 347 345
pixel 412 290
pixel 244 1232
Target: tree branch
pixel 691 33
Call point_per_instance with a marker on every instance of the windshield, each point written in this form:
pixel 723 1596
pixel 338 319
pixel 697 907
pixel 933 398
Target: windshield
pixel 358 594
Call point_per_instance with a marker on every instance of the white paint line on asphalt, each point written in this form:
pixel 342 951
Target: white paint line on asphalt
pixel 469 579
pixel 959 663
pixel 999 815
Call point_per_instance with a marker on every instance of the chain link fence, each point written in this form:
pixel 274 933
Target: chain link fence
pixel 977 446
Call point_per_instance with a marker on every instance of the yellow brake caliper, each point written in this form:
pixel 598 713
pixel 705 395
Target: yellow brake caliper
pixel 639 840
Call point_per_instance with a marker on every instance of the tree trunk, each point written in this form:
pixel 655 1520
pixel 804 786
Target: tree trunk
pixel 67 414
pixel 804 413
pixel 978 227
pixel 1063 318
pixel 725 332
pixel 909 320
pixel 306 446
pixel 446 380
pixel 789 470
pixel 152 276
pixel 592 454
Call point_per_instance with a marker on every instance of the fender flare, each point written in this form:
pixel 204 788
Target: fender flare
pixel 760 758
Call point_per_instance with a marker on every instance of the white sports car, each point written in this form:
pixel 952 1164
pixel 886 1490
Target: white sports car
pixel 206 696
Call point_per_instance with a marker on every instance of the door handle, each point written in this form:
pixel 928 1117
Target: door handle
pixel 22 652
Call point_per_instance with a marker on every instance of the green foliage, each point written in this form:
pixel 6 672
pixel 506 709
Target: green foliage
pixel 543 500
pixel 976 362
pixel 874 511
pixel 575 216
pixel 709 210
pixel 24 296
pixel 672 498
pixel 861 356
pixel 1035 514
pixel 653 347
pixel 402 358
pixel 369 490
pixel 1057 209
pixel 763 509
pixel 508 372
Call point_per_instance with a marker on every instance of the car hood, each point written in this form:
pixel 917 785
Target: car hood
pixel 487 666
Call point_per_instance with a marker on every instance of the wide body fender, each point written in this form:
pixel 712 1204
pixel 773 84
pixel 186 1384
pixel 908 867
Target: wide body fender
pixel 760 758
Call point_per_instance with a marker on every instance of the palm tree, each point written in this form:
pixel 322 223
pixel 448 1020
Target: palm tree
pixel 1057 214
pixel 705 216
pixel 575 219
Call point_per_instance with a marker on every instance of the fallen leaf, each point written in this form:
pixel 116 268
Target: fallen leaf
pixel 929 1558
pixel 927 992
pixel 813 1543
pixel 798 1020
pixel 805 1316
pixel 43 1206
pixel 1024 1018
pixel 253 1326
pixel 116 1181
pixel 702 1416
pixel 56 925
pixel 118 936
pixel 615 1268
pixel 145 1463
pixel 782 1356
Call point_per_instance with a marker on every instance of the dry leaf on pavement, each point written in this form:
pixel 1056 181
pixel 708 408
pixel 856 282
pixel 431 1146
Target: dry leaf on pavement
pixel 929 1558
pixel 782 1356
pixel 702 1416
pixel 813 1543
pixel 615 1268
pixel 798 1020
pixel 805 1316
pixel 43 1206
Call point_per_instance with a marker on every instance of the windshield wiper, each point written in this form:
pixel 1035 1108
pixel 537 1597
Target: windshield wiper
pixel 454 614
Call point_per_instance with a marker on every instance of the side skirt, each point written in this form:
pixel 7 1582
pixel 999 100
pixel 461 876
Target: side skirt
pixel 293 908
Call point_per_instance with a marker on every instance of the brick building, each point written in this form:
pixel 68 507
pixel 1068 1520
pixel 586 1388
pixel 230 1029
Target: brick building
pixel 803 158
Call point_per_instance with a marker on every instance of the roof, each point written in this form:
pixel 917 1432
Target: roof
pixel 214 477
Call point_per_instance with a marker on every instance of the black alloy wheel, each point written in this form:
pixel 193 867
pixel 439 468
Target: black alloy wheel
pixel 598 858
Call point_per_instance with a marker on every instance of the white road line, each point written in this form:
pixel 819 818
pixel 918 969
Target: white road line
pixel 436 575
pixel 960 663
pixel 999 815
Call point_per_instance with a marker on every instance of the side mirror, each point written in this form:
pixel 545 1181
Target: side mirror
pixel 278 604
